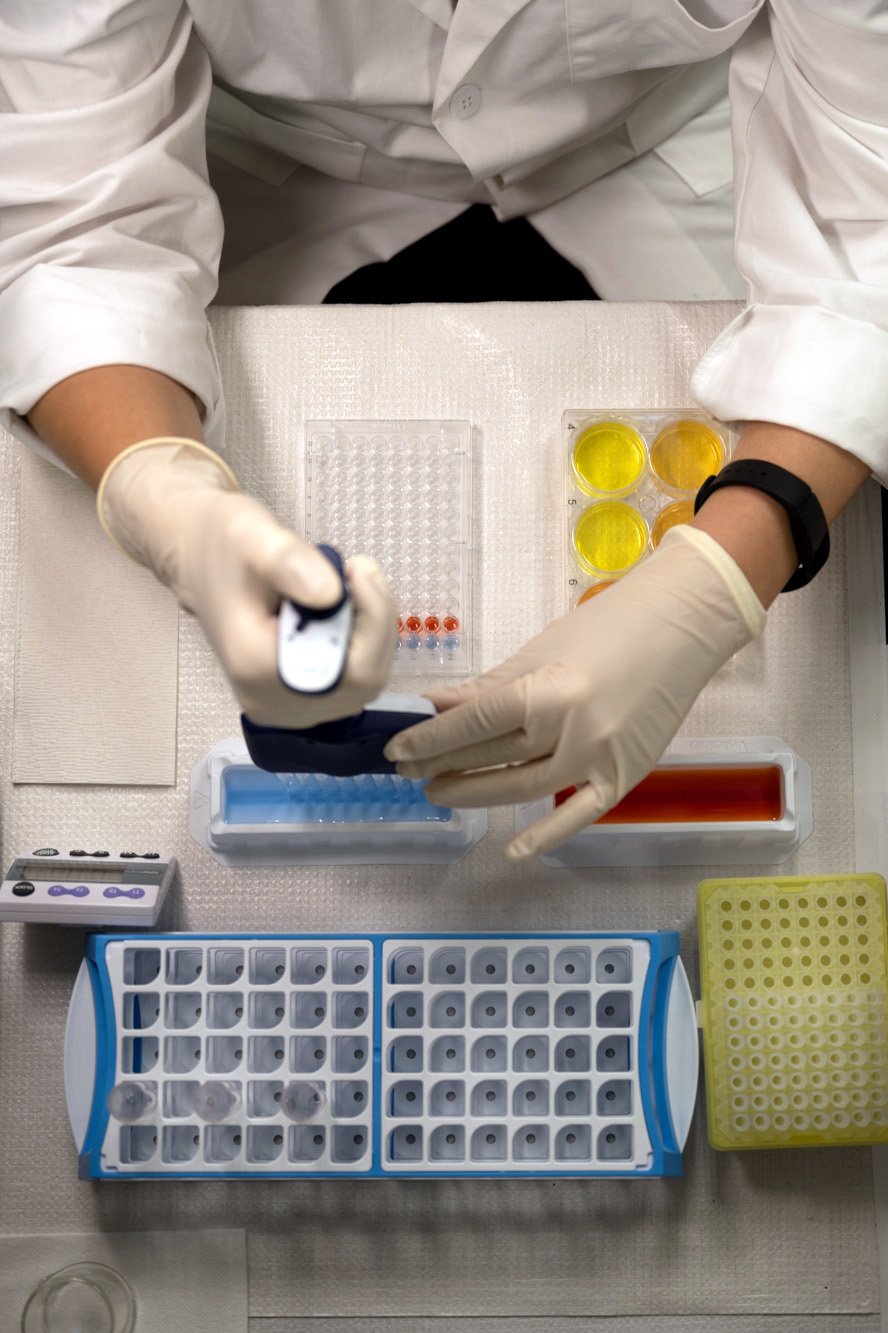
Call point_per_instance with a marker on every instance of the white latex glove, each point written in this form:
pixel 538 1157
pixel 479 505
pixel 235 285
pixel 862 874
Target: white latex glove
pixel 594 700
pixel 176 507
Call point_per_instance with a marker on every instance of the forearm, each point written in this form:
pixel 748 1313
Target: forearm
pixel 89 418
pixel 753 528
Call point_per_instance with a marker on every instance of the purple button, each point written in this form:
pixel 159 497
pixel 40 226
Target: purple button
pixel 115 892
pixel 57 890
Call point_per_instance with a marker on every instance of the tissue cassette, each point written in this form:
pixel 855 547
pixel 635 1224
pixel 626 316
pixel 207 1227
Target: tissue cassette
pixel 794 1010
pixel 401 492
pixel 630 475
pixel 417 1056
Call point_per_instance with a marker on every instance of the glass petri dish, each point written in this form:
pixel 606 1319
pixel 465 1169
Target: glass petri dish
pixel 588 593
pixel 608 458
pixel 680 511
pixel 683 455
pixel 609 537
pixel 83 1298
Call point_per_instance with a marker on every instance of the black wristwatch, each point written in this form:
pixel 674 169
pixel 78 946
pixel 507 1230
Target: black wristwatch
pixel 807 521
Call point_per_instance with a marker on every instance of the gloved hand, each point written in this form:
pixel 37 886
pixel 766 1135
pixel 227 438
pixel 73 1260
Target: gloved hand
pixel 594 700
pixel 176 507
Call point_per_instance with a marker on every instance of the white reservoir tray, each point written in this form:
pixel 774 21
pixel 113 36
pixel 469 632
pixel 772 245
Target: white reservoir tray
pixel 698 842
pixel 318 820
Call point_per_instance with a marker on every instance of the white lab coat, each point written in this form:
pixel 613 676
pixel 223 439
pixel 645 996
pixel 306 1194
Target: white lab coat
pixel 110 232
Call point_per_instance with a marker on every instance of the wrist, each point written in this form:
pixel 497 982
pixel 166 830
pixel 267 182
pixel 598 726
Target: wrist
pixel 754 528
pixel 754 531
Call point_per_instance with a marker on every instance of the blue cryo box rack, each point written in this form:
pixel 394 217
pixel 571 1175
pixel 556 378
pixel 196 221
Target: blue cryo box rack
pixel 564 1054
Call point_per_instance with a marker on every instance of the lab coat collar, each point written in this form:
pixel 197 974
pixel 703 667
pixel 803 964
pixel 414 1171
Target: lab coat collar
pixel 439 11
pixel 475 24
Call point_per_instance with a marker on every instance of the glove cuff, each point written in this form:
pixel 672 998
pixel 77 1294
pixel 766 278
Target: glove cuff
pixel 748 603
pixel 113 510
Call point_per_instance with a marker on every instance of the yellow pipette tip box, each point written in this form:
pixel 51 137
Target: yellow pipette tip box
pixel 794 1010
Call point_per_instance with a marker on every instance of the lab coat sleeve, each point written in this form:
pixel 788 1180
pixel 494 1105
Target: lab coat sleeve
pixel 809 96
pixel 109 230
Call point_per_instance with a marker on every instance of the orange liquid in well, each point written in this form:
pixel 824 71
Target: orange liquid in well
pixel 741 794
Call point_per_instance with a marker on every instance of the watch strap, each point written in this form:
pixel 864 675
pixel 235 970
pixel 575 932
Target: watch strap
pixel 807 521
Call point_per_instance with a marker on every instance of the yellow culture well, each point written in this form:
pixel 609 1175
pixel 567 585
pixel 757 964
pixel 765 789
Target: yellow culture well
pixel 609 537
pixel 683 455
pixel 794 1011
pixel 608 458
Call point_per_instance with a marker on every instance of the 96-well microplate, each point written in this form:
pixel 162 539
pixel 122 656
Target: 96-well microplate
pixel 401 492
pixel 410 1056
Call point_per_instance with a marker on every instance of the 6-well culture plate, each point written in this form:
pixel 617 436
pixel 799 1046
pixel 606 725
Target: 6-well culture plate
pixel 382 1055
pixel 630 474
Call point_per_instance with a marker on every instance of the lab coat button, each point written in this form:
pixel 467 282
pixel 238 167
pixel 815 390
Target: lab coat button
pixel 465 102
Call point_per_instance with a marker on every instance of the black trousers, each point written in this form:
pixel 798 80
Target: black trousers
pixel 472 258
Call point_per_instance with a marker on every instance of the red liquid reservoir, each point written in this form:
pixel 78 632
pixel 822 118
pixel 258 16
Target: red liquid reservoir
pixel 735 793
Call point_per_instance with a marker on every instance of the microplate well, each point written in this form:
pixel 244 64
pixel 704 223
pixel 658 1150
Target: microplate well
pixel 401 492
pixel 794 1010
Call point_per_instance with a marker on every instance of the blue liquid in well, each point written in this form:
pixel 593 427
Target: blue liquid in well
pixel 252 796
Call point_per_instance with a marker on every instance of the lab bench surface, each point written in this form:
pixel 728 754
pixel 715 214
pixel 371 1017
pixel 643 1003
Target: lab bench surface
pixel 762 1241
